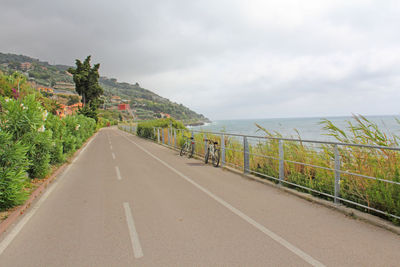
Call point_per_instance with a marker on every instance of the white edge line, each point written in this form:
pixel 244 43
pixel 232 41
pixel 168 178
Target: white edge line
pixel 118 173
pixel 257 225
pixel 111 147
pixel 113 155
pixel 137 249
pixel 15 231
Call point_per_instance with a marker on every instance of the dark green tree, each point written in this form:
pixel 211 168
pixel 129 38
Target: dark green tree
pixel 86 80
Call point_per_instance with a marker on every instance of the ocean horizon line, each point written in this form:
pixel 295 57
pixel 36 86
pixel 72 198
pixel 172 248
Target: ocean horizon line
pixel 309 117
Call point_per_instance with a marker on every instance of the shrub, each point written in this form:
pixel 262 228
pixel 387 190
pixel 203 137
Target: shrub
pixel 20 117
pixel 78 129
pixel 24 120
pixel 145 128
pixel 57 127
pixel 39 148
pixel 13 166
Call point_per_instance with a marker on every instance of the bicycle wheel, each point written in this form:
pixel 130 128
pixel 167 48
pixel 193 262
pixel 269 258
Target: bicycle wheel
pixel 183 149
pixel 215 158
pixel 190 150
pixel 206 156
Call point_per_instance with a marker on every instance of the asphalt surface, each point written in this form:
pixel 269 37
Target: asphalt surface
pixel 126 201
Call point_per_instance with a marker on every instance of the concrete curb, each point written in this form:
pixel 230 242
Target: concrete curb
pixel 4 225
pixel 353 213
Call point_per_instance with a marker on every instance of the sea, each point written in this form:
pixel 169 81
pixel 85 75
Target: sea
pixel 307 128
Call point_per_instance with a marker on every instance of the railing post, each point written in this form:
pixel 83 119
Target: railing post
pixel 281 162
pixel 162 135
pixel 175 145
pixel 158 135
pixel 246 163
pixel 337 175
pixel 222 150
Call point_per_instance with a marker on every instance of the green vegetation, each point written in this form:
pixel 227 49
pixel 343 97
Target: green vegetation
pixel 32 139
pixel 13 166
pixel 145 129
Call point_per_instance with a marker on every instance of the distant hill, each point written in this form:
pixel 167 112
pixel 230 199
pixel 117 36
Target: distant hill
pixel 144 103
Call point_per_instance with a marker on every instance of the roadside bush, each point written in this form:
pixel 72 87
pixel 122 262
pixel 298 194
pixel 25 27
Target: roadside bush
pixel 13 166
pixel 78 129
pixel 20 117
pixel 145 128
pixel 24 119
pixel 57 127
pixel 32 139
pixel 39 149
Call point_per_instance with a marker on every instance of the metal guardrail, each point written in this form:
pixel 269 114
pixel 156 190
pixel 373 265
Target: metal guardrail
pixel 128 128
pixel 170 136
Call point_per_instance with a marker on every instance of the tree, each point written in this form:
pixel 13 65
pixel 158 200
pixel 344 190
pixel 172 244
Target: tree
pixel 86 80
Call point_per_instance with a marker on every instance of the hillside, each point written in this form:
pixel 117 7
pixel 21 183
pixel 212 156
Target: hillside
pixel 144 103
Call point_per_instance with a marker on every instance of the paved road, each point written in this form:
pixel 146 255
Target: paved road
pixel 126 201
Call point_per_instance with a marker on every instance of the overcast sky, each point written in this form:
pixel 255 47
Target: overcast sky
pixel 226 59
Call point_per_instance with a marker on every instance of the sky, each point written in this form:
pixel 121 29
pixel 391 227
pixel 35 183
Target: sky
pixel 226 59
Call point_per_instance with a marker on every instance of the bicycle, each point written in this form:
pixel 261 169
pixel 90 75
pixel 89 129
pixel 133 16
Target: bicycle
pixel 187 147
pixel 213 151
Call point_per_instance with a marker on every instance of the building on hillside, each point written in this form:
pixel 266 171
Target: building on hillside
pixel 123 106
pixel 115 99
pixel 26 66
pixel 165 115
pixel 68 110
pixel 45 89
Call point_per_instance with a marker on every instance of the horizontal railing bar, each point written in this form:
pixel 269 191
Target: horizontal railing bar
pixel 240 151
pixel 368 177
pixel 300 140
pixel 296 185
pixel 328 195
pixel 264 156
pixel 311 165
pixel 369 208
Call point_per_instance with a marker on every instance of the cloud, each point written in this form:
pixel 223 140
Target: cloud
pixel 227 59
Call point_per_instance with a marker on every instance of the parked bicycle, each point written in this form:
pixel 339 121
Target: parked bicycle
pixel 187 147
pixel 213 152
